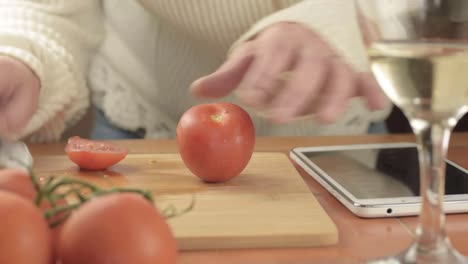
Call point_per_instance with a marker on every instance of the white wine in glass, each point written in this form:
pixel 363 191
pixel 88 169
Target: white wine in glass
pixel 429 81
pixel 418 53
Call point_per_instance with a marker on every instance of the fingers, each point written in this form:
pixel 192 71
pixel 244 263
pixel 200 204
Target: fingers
pixel 262 80
pixel 21 107
pixel 319 82
pixel 335 96
pixel 308 77
pixel 19 93
pixel 322 86
pixel 368 87
pixel 227 77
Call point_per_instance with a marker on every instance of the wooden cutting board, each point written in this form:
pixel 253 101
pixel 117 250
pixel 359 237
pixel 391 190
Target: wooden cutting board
pixel 268 205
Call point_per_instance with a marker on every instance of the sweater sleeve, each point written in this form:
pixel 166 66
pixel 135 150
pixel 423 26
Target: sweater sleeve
pixel 55 38
pixel 335 21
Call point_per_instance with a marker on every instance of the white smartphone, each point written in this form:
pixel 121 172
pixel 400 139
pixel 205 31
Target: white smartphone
pixel 378 180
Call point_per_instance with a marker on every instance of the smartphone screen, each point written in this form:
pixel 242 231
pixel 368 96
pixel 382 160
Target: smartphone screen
pixel 382 172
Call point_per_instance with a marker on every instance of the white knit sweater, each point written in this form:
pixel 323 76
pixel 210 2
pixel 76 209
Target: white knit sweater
pixel 138 58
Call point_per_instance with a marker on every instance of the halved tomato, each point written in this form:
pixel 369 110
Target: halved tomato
pixel 93 155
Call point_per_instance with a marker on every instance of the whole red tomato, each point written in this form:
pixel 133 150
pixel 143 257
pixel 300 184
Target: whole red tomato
pixel 93 155
pixel 24 234
pixel 19 182
pixel 117 229
pixel 216 141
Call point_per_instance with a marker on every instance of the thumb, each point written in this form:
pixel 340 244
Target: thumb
pixel 19 93
pixel 224 80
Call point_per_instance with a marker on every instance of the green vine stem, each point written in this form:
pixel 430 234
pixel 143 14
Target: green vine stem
pixel 33 178
pixel 60 209
pixel 57 214
pixel 73 187
pixel 171 211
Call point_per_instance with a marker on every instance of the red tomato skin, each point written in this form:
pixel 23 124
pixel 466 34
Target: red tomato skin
pixel 24 234
pixel 117 229
pixel 93 155
pixel 216 141
pixel 18 182
pixel 55 232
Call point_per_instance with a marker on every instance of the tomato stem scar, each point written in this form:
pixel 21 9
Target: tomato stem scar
pixel 217 118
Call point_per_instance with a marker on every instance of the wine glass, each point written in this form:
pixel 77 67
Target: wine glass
pixel 418 53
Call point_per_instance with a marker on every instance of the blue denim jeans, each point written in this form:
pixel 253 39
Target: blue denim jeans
pixel 377 128
pixel 103 129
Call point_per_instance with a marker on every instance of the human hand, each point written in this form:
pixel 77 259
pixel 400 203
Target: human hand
pixel 19 95
pixel 318 81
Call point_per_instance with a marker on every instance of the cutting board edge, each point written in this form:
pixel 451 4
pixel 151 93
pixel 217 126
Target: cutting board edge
pixel 328 239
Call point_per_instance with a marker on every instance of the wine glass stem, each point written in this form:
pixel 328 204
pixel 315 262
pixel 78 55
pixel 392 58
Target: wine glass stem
pixel 432 147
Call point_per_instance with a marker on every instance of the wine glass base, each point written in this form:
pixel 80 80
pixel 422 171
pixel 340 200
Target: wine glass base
pixel 447 255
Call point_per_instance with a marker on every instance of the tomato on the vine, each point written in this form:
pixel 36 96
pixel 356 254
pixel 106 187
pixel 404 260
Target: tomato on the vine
pixel 24 234
pixel 92 154
pixel 17 181
pixel 216 140
pixel 117 228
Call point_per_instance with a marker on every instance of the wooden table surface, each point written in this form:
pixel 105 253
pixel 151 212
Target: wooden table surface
pixel 359 239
